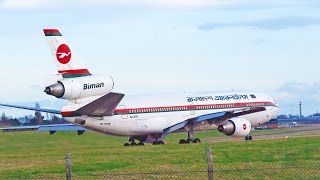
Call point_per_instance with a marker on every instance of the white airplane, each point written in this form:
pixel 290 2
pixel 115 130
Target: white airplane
pixel 147 119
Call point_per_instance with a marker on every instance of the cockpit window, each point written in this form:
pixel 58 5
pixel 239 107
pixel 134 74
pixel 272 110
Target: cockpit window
pixel 253 96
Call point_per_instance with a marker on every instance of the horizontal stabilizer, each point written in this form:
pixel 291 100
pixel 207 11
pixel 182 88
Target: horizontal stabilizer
pixel 32 108
pixel 104 106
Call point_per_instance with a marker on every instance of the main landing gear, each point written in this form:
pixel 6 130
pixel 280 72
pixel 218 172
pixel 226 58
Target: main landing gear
pixel 133 143
pixel 190 138
pixel 188 141
pixel 156 139
pixel 157 143
pixel 248 138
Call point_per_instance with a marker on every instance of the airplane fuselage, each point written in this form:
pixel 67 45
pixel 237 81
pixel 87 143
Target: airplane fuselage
pixel 142 115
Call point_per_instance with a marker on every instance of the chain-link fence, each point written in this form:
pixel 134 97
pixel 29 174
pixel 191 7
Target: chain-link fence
pixel 127 174
pixel 266 172
pixel 250 170
pixel 269 172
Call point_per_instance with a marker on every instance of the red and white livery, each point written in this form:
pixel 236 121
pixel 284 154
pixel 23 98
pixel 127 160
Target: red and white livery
pixel 147 119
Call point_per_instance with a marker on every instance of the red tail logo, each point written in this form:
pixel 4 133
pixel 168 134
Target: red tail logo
pixel 244 126
pixel 63 54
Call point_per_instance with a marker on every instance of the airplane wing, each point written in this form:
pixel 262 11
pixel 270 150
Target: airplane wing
pixel 214 118
pixel 103 106
pixel 51 128
pixel 32 108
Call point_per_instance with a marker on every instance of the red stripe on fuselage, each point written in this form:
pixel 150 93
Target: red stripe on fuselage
pixel 194 107
pixel 183 108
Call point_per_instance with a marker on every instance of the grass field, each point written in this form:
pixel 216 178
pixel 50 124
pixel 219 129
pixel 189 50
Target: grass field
pixel 30 153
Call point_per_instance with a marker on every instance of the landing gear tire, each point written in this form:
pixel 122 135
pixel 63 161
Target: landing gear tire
pixel 157 142
pixel 126 144
pixel 182 141
pixel 196 140
pixel 248 138
pixel 140 144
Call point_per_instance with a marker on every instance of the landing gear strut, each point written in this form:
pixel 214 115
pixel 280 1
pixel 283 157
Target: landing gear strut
pixel 157 141
pixel 190 138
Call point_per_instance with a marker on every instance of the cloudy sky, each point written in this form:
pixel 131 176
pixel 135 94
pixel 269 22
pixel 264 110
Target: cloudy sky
pixel 164 46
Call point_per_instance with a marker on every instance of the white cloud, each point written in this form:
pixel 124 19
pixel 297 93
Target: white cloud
pixel 22 4
pixel 58 4
pixel 290 94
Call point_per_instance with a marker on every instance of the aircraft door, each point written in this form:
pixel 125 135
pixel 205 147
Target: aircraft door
pixel 123 116
pixel 192 110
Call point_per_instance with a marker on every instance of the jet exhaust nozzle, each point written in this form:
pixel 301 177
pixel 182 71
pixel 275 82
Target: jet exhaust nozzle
pixel 56 90
pixel 220 128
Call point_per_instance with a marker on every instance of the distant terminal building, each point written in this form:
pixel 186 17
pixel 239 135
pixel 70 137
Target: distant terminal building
pixel 5 123
pixel 272 124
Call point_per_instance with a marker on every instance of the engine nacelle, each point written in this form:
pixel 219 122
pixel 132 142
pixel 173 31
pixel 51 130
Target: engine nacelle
pixel 81 87
pixel 236 127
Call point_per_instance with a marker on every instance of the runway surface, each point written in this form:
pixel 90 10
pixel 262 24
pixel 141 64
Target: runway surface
pixel 283 133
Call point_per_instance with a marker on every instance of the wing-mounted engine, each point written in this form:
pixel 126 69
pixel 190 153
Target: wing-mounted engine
pixel 80 87
pixel 236 127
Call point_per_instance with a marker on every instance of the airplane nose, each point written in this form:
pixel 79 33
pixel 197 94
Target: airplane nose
pixel 276 111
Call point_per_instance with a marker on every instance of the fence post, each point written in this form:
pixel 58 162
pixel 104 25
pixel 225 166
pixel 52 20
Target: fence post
pixel 68 166
pixel 210 165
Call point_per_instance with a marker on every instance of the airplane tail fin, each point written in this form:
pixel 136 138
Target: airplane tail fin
pixel 67 63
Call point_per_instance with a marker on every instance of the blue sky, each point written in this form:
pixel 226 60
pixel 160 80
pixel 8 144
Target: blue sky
pixel 163 46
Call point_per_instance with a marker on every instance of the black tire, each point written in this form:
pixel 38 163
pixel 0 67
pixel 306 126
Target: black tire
pixel 155 143
pixel 246 138
pixel 182 141
pixel 140 144
pixel 161 142
pixel 126 144
pixel 197 140
pixel 250 138
pixel 133 144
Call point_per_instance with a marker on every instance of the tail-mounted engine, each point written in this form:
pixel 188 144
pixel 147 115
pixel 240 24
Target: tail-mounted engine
pixel 74 88
pixel 236 127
